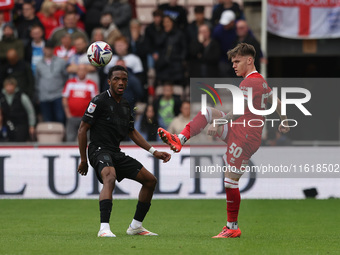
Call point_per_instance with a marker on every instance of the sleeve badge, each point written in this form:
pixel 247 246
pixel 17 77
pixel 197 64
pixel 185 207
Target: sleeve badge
pixel 91 108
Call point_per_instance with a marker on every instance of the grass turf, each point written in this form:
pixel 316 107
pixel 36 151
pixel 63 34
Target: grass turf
pixel 184 227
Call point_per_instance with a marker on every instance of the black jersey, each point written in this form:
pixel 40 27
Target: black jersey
pixel 110 121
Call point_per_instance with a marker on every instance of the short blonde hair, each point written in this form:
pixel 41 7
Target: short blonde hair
pixel 45 7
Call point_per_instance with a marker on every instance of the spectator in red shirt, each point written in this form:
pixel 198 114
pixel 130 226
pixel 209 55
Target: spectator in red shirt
pixel 66 49
pixel 71 6
pixel 47 18
pixel 77 94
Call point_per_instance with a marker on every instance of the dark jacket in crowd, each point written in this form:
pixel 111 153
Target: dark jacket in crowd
pixel 172 53
pixel 22 72
pixel 140 48
pixel 121 13
pixel 15 118
pixel 203 61
pixel 151 36
pixel 250 39
pixel 225 38
pixel 11 43
pixel 192 29
pixel 177 13
pixel 24 28
pixel 94 10
pixel 148 128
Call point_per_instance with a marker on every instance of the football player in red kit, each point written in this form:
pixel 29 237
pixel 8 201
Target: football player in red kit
pixel 242 139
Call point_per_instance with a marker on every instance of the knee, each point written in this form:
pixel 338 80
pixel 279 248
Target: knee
pixel 208 114
pixel 154 182
pixel 211 113
pixel 230 183
pixel 109 177
pixel 151 183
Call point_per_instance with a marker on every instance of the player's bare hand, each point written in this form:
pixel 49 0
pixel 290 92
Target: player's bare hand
pixel 83 168
pixel 162 155
pixel 212 130
pixel 284 129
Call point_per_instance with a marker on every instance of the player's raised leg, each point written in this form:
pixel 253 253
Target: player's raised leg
pixel 148 182
pixel 105 201
pixel 233 198
pixel 193 128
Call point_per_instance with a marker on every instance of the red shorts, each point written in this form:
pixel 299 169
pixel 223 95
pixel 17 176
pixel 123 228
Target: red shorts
pixel 240 149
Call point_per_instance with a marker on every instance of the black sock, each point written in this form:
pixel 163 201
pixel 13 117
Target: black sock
pixel 105 207
pixel 141 210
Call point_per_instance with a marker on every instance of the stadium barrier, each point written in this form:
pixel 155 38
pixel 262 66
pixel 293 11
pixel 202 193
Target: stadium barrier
pixel 50 172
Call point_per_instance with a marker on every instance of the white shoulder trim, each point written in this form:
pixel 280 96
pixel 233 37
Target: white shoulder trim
pixel 250 74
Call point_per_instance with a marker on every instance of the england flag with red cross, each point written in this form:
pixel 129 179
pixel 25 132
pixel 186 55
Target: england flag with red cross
pixel 299 19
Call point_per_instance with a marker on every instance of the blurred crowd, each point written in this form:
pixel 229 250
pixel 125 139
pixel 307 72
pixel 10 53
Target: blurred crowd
pixel 46 76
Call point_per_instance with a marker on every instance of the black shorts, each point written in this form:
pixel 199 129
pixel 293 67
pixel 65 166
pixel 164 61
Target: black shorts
pixel 126 167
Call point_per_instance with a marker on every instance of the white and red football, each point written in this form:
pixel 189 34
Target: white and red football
pixel 99 53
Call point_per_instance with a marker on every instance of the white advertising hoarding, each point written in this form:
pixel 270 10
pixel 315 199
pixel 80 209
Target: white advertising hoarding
pixel 50 172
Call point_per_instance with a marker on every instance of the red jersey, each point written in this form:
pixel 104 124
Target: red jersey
pixel 260 93
pixel 49 23
pixel 79 94
pixel 62 52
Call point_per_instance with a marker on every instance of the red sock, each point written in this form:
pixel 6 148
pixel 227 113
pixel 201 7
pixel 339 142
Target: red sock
pixel 233 203
pixel 195 126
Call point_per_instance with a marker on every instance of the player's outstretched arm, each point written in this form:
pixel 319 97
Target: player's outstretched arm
pixel 282 128
pixel 141 142
pixel 82 143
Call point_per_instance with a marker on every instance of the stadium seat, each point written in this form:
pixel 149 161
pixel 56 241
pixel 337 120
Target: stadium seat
pixel 200 2
pixel 178 90
pixel 144 14
pixel 146 3
pixel 179 2
pixel 50 132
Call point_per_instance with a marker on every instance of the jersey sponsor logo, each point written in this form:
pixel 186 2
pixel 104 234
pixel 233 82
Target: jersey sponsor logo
pixel 245 162
pixel 79 94
pixel 91 108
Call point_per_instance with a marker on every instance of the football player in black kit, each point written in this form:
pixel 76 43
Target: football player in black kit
pixel 108 117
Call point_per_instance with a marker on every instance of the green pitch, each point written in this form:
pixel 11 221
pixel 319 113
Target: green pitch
pixel 184 227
